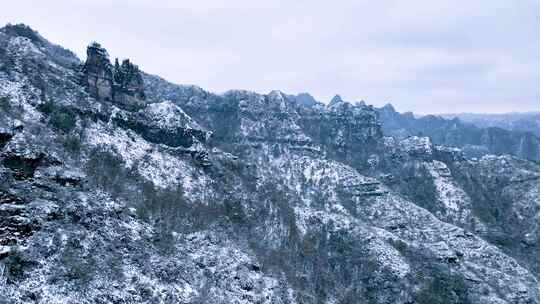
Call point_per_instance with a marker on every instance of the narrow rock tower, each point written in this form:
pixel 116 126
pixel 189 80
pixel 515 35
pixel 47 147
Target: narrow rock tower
pixel 121 84
pixel 98 73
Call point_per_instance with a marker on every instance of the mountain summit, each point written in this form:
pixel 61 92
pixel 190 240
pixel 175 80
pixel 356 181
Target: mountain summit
pixel 117 186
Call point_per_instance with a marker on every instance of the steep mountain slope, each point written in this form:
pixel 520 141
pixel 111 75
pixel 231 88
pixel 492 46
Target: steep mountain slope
pixel 475 141
pixel 117 186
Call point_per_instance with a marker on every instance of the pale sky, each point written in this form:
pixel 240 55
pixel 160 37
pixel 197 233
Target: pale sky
pixel 422 56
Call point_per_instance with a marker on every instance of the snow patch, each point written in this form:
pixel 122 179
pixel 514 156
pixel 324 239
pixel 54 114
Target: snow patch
pixel 449 193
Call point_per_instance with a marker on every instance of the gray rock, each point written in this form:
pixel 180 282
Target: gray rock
pixel 121 84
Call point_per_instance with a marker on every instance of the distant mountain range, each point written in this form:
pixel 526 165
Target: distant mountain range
pixel 475 134
pixel 525 121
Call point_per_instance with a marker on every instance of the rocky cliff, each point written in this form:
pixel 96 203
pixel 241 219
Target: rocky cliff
pixel 195 197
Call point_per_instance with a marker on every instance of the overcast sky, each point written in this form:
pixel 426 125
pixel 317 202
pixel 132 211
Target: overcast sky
pixel 422 56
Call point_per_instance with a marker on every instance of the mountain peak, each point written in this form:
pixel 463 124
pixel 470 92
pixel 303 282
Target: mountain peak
pixel 96 51
pixel 306 99
pixel 276 94
pixel 23 30
pixel 361 103
pixel 335 100
pixel 389 107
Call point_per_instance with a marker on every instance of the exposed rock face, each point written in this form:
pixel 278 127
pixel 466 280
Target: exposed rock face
pixel 98 73
pixel 348 133
pixel 244 198
pixel 128 88
pixel 121 84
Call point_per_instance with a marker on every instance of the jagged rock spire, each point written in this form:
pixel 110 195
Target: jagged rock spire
pixel 128 79
pixel 98 72
pixel 121 83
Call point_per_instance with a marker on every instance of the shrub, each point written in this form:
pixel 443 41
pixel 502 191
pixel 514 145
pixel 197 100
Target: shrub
pixel 64 120
pixel 22 30
pixel 76 265
pixel 4 104
pixel 16 264
pixel 234 211
pixel 400 245
pixel 61 118
pixel 72 143
pixel 46 108
pixel 443 287
pixel 106 170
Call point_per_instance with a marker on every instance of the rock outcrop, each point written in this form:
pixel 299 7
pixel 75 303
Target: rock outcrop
pixel 98 73
pixel 128 86
pixel 121 84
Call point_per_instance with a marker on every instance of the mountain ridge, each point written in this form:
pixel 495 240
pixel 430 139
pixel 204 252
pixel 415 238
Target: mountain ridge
pixel 475 141
pixel 516 121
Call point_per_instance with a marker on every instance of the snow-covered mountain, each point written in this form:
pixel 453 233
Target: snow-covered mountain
pixel 524 122
pixel 119 187
pixel 475 139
